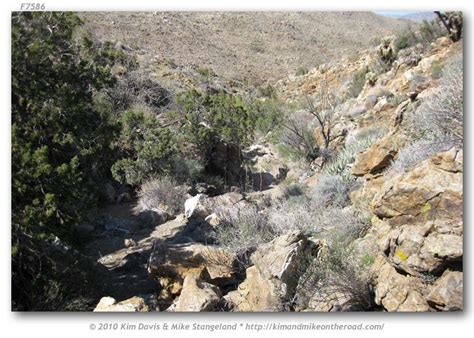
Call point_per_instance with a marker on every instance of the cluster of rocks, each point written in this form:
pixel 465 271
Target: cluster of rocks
pixel 191 274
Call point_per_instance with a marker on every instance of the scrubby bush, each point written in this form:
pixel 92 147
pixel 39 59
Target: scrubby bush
pixel 405 39
pixel 310 216
pixel 267 91
pixel 332 191
pixel 293 214
pixel 340 226
pixel 293 189
pixel 427 32
pixel 161 194
pixel 296 138
pixel 137 88
pixel 441 116
pixel 436 69
pixel 298 133
pixel 244 231
pixel 430 31
pixel 417 152
pixel 357 83
pixel 337 278
pixel 339 275
pixel 302 71
pixel 206 72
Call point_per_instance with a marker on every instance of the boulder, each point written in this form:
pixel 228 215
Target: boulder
pixel 272 281
pixel 427 63
pixel 191 204
pixel 373 94
pixel 447 292
pixel 171 263
pixel 197 295
pixel 377 157
pixel 431 190
pixel 201 206
pixel 357 111
pixel 382 105
pixel 134 304
pixel 141 249
pixel 397 292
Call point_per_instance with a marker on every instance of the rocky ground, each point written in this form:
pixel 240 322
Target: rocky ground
pixel 413 242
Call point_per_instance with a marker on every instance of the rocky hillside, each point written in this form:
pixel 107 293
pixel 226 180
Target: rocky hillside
pixel 248 47
pixel 335 189
pixel 389 236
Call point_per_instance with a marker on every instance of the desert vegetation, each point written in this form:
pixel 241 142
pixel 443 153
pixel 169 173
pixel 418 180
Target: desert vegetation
pixel 143 185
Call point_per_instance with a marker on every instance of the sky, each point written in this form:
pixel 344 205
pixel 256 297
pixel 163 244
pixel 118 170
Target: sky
pixel 395 13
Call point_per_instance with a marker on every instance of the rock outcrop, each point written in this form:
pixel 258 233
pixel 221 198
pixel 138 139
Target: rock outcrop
pixel 419 232
pixel 411 249
pixel 271 281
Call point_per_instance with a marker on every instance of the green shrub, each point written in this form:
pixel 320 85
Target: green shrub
pixel 430 31
pixel 436 69
pixel 207 118
pixel 147 147
pixel 268 115
pixel 267 91
pixel 186 170
pixel 357 83
pixel 61 139
pixel 405 39
pixel 302 71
